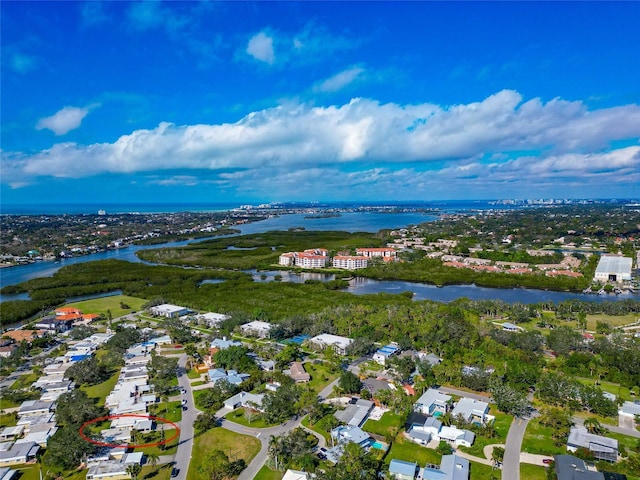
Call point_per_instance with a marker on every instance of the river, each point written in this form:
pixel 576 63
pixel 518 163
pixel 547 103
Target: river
pixel 352 222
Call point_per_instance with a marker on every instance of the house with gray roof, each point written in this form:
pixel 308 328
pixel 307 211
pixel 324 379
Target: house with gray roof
pixel 452 467
pixel 245 399
pixel 568 467
pixel 603 448
pixel 355 414
pixel 224 343
pixel 401 470
pixel 473 411
pixel 432 402
pixel 19 453
pixel 231 376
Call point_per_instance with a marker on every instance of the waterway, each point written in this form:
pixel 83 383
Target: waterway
pixel 352 222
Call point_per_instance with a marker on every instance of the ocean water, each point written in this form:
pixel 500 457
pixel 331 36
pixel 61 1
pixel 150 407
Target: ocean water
pixel 93 208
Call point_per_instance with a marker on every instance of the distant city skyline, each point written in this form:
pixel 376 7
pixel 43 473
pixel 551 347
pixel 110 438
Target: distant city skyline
pixel 237 102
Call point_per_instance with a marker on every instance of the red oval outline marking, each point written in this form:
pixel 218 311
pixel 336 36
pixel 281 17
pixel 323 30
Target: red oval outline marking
pixel 123 415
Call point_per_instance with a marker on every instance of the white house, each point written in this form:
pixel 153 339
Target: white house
pixel 432 402
pixel 472 410
pixel 213 319
pixel 169 311
pixel 383 354
pixel 257 329
pixel 245 399
pixel 613 268
pixel 338 343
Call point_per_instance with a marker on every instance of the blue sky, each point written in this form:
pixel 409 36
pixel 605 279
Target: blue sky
pixel 125 102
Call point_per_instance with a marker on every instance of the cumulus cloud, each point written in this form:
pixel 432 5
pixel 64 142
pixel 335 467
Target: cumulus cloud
pixel 412 147
pixel 64 120
pixel 260 47
pixel 339 80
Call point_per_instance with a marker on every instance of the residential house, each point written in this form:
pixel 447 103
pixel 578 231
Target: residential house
pixel 376 252
pixel 473 411
pixel 34 407
pixel 256 329
pixel 452 467
pixel 568 467
pixel 338 343
pixel 298 373
pixel 432 358
pixel 628 413
pixel 11 433
pixel 422 432
pixel 382 355
pixel 213 319
pixel 603 448
pixel 231 376
pixel 223 343
pixel 7 473
pixel 432 402
pixel 344 434
pixel 295 475
pixel 402 470
pixel 19 453
pixel 455 436
pixel 169 311
pixel 244 399
pixel 355 414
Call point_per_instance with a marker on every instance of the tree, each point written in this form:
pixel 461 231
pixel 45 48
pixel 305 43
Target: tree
pixel 75 408
pixel 497 455
pixel 152 459
pixel 349 382
pixel 204 421
pixel 67 449
pixel 444 448
pixel 281 405
pixel 134 469
pixel 88 371
pixel 509 400
pixel 217 465
pixel 593 425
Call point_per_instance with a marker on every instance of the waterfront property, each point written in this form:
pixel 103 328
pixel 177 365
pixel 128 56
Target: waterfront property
pixel 350 262
pixel 613 268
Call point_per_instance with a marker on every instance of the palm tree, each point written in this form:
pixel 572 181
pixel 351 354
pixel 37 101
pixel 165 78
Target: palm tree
pixel 133 470
pixel 274 449
pixel 152 459
pixel 593 425
pixel 497 455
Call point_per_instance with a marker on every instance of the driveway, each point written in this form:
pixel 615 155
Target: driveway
pixel 511 463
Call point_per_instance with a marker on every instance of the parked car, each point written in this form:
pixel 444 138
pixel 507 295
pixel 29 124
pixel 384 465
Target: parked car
pixel 547 461
pixel 175 472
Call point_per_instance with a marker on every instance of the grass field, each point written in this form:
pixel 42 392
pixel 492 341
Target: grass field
pixel 24 381
pixel 537 439
pixel 6 403
pixel 620 391
pixel 170 448
pixel 266 473
pixel 389 423
pixel 101 390
pixel 480 471
pixel 159 472
pixel 234 445
pixel 104 304
pixel 532 472
pixel 32 472
pixel 320 376
pixel 403 449
pixel 237 416
pixel 8 420
pixel 614 321
pixel 171 411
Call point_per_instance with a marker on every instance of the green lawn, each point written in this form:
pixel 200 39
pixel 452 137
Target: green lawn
pixel 320 376
pixel 159 472
pixel 501 423
pixel 532 472
pixel 6 403
pixel 234 445
pixel 101 390
pixel 266 473
pixel 624 441
pixel 193 374
pixel 171 411
pixel 104 304
pixel 8 420
pixel 24 381
pixel 389 423
pixel 537 439
pixel 170 448
pixel 32 472
pixel 615 388
pixel 614 321
pixel 198 383
pixel 237 416
pixel 403 449
pixel 480 471
pixel 320 426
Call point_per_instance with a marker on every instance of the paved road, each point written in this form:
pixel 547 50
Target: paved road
pixel 185 445
pixel 511 463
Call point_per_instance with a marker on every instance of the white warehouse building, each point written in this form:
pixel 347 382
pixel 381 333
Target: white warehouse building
pixel 613 268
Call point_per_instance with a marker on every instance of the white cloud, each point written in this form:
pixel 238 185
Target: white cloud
pixel 65 120
pixel 260 47
pixel 339 80
pixel 400 148
pixel 22 63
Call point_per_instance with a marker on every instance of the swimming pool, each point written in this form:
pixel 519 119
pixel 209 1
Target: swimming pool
pixel 379 445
